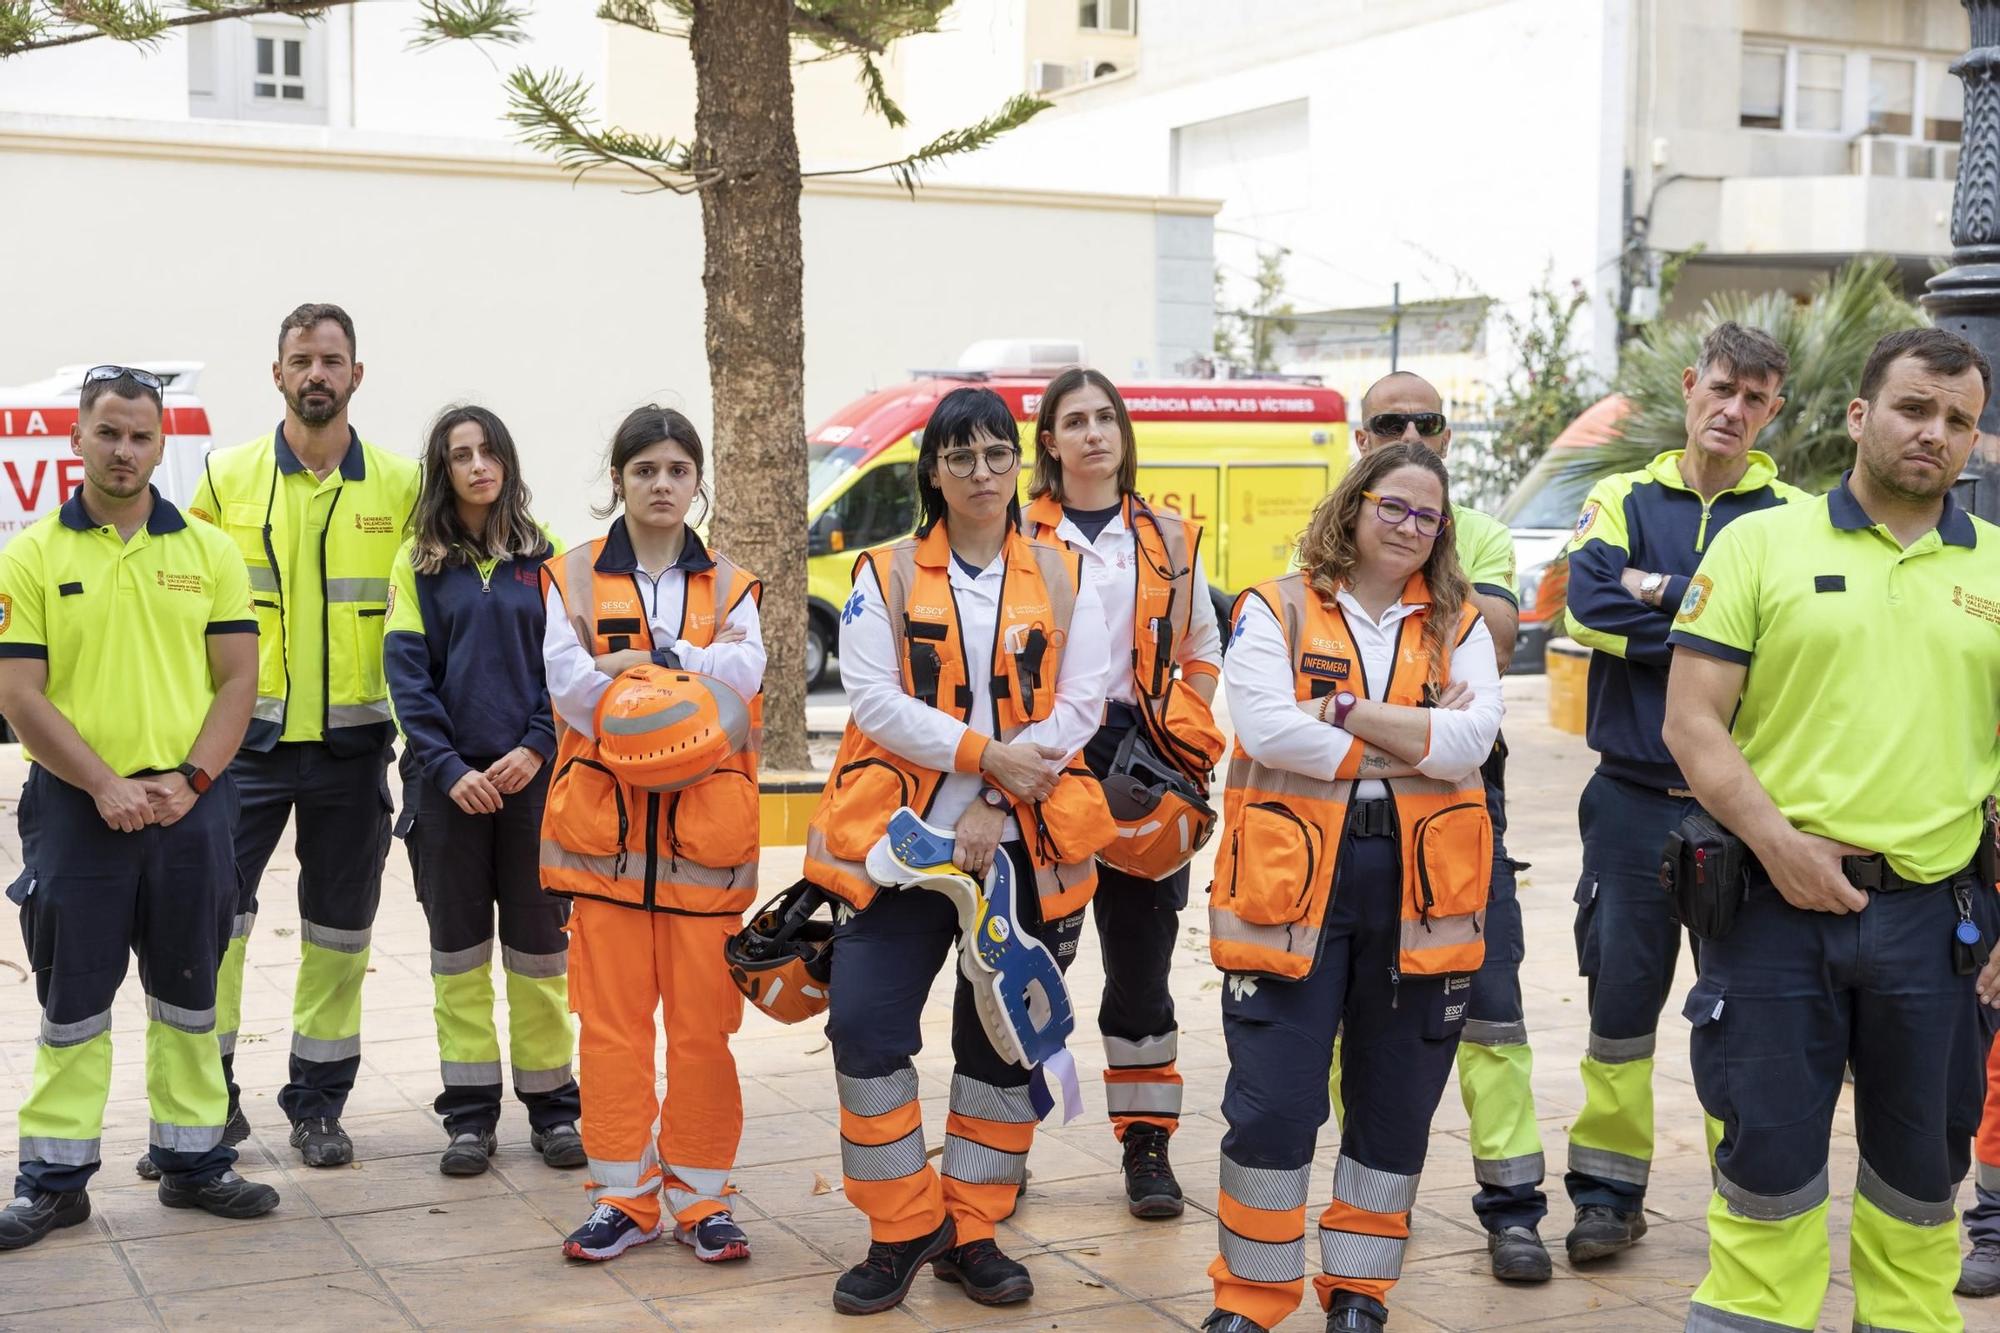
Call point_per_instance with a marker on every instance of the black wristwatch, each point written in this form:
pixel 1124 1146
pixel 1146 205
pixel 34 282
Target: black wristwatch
pixel 197 779
pixel 994 797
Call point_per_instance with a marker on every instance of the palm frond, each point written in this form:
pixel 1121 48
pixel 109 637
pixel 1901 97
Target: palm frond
pixel 552 114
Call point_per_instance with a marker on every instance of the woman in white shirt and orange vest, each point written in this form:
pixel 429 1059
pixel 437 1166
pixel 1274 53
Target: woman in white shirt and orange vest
pixel 1350 886
pixel 974 662
pixel 1166 657
pixel 660 880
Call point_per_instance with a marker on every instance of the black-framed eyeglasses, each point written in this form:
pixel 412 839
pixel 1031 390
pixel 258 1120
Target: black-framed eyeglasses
pixel 1390 425
pixel 1396 512
pixel 1000 460
pixel 146 379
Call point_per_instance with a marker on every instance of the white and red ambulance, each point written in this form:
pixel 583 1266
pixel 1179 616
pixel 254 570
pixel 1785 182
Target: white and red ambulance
pixel 39 470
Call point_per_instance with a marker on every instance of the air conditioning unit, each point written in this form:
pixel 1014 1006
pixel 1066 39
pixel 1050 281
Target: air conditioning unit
pixel 1051 76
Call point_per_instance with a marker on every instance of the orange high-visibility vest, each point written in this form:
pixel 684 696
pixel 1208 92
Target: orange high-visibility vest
pixel 692 851
pixel 1274 874
pixel 869 782
pixel 1179 722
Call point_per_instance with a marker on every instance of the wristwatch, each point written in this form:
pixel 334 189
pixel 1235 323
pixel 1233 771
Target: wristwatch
pixel 197 779
pixel 1649 588
pixel 1343 703
pixel 994 797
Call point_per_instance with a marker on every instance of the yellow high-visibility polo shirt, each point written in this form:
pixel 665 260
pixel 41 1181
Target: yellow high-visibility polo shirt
pixel 124 625
pixel 1871 706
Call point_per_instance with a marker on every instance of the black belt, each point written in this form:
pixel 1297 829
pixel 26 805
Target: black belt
pixel 1371 819
pixel 1873 872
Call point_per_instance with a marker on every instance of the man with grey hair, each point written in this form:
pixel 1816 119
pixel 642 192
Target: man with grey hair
pixel 1637 544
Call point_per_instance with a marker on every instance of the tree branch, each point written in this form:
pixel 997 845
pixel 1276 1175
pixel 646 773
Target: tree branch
pixel 1016 112
pixel 22 29
pixel 552 112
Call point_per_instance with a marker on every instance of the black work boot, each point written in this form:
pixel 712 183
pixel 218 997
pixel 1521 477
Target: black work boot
pixel 35 1214
pixel 560 1146
pixel 987 1275
pixel 228 1195
pixel 322 1142
pixel 1354 1313
pixel 882 1279
pixel 1600 1231
pixel 469 1153
pixel 1228 1321
pixel 1150 1187
pixel 1518 1255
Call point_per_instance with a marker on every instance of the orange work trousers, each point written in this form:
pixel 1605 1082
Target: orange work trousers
pixel 625 964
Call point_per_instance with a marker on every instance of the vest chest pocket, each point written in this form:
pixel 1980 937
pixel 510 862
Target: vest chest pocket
pixel 586 813
pixel 856 812
pixel 715 822
pixel 1074 823
pixel 1268 869
pixel 1448 867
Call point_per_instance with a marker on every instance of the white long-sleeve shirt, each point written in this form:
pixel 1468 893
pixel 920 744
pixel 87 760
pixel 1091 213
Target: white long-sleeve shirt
pixel 575 683
pixel 931 738
pixel 1111 566
pixel 1263 704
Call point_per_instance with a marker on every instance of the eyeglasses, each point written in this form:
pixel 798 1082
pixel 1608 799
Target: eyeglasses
pixel 1000 460
pixel 145 378
pixel 1396 512
pixel 1390 425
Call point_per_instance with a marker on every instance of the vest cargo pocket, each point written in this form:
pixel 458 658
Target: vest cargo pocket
pixel 1451 862
pixel 715 822
pixel 865 794
pixel 1266 870
pixel 586 813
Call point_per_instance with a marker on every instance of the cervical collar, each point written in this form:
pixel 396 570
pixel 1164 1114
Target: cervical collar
pixel 1016 986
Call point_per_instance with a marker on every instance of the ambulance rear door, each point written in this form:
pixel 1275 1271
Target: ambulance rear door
pixel 1266 507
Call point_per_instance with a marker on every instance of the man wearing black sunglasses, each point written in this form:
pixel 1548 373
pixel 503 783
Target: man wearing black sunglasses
pixel 1495 1063
pixel 128 663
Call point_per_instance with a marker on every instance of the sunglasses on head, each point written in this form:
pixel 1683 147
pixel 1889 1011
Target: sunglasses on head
pixel 146 379
pixel 1390 425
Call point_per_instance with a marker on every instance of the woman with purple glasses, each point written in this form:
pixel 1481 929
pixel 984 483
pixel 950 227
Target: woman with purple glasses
pixel 1350 887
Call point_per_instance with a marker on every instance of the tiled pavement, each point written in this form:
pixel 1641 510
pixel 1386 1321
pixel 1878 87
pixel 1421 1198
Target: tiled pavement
pixel 390 1243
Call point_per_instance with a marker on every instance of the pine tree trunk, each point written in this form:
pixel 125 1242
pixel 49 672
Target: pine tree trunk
pixel 752 274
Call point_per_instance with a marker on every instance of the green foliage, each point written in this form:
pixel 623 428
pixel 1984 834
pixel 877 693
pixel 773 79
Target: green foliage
pixel 1548 385
pixel 552 114
pixel 1249 336
pixel 1828 336
pixel 32 25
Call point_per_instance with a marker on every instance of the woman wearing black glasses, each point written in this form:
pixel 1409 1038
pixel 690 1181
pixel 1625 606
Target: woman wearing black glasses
pixel 975 665
pixel 1350 887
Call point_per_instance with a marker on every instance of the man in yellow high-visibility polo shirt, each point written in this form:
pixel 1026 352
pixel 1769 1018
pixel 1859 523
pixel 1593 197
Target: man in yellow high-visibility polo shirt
pixel 1494 1062
pixel 317 516
pixel 128 664
pixel 1834 700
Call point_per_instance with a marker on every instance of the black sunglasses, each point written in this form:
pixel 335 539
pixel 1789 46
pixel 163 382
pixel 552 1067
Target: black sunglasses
pixel 1390 425
pixel 145 379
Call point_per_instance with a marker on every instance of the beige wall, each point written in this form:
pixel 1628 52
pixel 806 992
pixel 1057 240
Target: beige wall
pixel 489 276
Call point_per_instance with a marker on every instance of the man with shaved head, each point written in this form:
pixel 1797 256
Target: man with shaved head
pixel 1494 1062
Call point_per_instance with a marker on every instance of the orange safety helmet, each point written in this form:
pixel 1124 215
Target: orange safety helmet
pixel 1163 818
pixel 661 729
pixel 782 960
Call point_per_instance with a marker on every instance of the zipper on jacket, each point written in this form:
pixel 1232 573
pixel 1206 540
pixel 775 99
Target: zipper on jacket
pixel 652 847
pixel 1701 533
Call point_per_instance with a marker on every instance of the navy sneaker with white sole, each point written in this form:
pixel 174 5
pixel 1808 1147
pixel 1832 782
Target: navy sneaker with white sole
pixel 715 1239
pixel 606 1234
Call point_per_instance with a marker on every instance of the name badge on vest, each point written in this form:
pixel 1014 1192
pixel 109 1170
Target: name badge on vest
pixel 1326 666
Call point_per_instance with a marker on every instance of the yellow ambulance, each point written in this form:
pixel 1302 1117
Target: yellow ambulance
pixel 1248 459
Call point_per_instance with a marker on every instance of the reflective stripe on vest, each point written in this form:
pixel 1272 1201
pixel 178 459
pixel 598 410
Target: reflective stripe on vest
pixel 915 578
pixel 606 855
pixel 1266 909
pixel 365 523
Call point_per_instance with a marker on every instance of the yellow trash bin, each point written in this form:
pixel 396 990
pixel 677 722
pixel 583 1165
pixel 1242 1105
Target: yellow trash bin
pixel 1569 684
